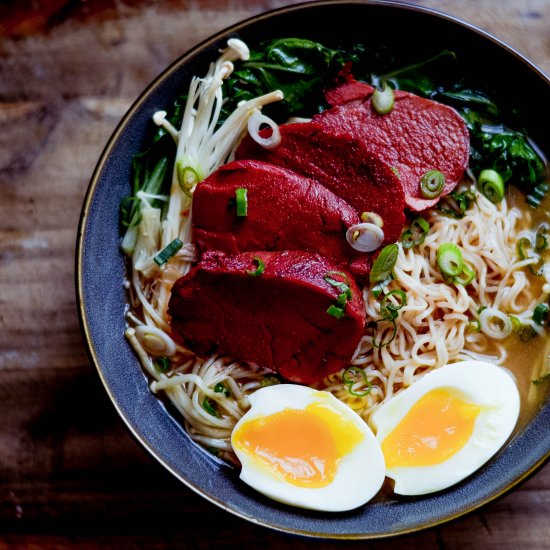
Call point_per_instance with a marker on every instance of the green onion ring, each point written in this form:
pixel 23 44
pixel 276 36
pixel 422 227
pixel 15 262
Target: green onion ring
pixel 449 260
pixel 259 270
pixel 432 184
pixel 491 184
pixel 349 382
pixel 540 313
pixel 388 309
pixel 469 276
pixel 382 344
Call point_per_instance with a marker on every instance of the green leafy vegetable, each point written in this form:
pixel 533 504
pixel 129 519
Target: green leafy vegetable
pixel 300 68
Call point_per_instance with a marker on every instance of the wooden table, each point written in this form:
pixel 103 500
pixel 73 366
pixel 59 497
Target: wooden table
pixel 70 475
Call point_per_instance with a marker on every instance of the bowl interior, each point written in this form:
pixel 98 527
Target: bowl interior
pixel 407 31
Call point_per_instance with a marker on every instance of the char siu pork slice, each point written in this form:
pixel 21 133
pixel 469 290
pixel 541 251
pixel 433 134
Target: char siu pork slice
pixel 280 310
pixel 341 164
pixel 417 136
pixel 285 211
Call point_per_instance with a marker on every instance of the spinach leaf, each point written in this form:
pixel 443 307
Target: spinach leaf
pixel 300 68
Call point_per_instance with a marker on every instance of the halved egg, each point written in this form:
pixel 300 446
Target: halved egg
pixel 306 448
pixel 447 425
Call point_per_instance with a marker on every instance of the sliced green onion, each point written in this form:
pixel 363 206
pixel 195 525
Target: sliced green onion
pixel 373 325
pixel 187 177
pixel 524 246
pixel 381 286
pixel 210 407
pixel 342 299
pixel 337 312
pixel 449 260
pixel 541 242
pixel 491 184
pixel 416 233
pixel 269 380
pixel 537 195
pixel 388 309
pixel 350 381
pixel 384 264
pixel 432 184
pixel 383 100
pixel 540 314
pixel 480 309
pixel 220 387
pixel 473 326
pixel 259 270
pixel 517 325
pixel 466 277
pixel 407 239
pixel 242 202
pixel 541 379
pixel 456 204
pixel 166 253
pixel 162 364
pixel 372 217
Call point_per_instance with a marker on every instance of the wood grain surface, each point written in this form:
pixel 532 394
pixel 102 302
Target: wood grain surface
pixel 70 475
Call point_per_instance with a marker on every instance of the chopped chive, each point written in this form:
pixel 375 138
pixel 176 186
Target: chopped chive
pixel 166 253
pixel 259 270
pixel 242 202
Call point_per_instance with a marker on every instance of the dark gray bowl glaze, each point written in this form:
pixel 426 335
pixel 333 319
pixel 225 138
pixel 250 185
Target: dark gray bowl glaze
pixel 101 269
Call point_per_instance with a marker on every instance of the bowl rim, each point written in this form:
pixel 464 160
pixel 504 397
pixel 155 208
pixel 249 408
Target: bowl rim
pixel 84 217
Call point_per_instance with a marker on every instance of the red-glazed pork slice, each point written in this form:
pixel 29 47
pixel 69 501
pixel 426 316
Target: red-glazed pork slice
pixel 286 211
pixel 341 164
pixel 277 320
pixel 418 135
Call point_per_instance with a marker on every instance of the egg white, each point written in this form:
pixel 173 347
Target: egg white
pixel 477 382
pixel 360 473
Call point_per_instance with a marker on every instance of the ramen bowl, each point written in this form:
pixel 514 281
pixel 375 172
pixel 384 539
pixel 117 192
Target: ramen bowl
pixel 101 269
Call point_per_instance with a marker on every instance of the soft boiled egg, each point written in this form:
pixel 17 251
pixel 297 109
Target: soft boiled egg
pixel 306 448
pixel 445 426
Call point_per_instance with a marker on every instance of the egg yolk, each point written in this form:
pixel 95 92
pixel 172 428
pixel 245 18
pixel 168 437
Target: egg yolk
pixel 303 446
pixel 435 428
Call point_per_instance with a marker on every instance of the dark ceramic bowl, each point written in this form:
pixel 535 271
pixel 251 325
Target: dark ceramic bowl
pixel 101 267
